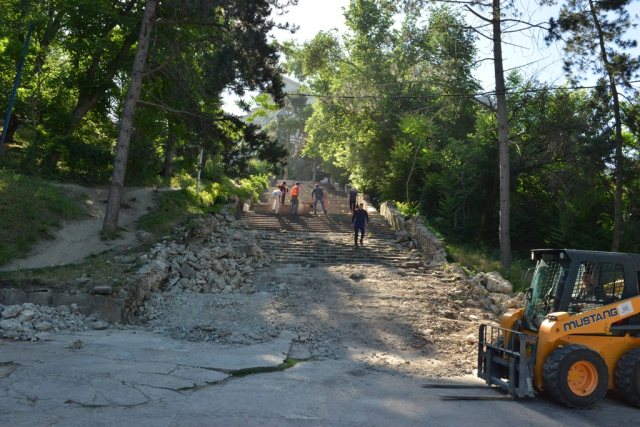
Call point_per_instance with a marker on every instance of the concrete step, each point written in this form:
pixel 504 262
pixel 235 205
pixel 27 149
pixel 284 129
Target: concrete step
pixel 324 239
pixel 335 223
pixel 333 248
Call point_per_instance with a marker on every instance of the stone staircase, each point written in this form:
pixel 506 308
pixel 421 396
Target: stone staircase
pixel 325 238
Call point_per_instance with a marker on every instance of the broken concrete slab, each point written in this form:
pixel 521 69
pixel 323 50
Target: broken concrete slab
pixel 118 393
pixel 166 381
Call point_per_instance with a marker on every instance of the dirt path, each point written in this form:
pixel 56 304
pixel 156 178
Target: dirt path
pixel 78 239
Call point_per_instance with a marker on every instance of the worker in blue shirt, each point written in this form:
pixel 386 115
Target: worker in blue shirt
pixel 359 218
pixel 318 196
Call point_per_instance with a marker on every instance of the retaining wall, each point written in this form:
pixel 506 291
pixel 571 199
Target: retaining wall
pixel 429 244
pixel 107 307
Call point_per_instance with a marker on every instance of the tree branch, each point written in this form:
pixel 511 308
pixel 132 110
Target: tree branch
pixel 171 110
pixel 477 14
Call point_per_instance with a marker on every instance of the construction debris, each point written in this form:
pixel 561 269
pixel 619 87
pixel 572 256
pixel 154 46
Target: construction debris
pixel 31 322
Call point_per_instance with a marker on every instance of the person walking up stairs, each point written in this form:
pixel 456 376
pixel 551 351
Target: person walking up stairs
pixel 283 187
pixel 353 200
pixel 318 196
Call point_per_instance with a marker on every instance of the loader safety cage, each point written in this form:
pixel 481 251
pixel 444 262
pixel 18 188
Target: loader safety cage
pixel 499 359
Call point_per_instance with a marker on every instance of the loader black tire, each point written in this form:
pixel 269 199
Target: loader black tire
pixel 628 376
pixel 582 363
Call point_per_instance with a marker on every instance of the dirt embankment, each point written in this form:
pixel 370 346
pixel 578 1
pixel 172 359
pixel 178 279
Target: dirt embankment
pixel 78 239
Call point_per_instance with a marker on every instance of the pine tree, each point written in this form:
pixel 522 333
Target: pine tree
pixel 594 35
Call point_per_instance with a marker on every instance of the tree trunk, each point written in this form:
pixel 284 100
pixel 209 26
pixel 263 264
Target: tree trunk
pixel 314 169
pixel 110 225
pixel 413 166
pixel 14 124
pixel 286 168
pixel 503 139
pixel 169 151
pixel 617 209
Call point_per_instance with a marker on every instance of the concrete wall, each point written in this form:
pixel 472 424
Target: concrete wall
pixel 108 307
pixel 391 214
pixel 430 245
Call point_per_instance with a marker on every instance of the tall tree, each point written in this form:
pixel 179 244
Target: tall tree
pixel 286 123
pixel 368 79
pixel 228 41
pixel 595 40
pixel 497 18
pixel 112 213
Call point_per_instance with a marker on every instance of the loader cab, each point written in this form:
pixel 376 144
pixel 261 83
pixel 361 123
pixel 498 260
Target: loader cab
pixel 549 279
pixel 575 281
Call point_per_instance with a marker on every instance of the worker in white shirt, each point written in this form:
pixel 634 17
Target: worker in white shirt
pixel 276 195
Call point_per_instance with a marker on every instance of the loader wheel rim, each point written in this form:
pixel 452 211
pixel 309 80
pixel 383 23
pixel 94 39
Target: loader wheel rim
pixel 582 378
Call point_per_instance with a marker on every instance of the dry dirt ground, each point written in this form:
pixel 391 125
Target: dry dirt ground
pixel 404 325
pixel 78 239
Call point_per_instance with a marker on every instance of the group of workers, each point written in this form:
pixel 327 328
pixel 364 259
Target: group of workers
pixel 279 194
pixel 359 219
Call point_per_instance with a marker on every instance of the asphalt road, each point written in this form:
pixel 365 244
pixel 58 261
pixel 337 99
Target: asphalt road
pixel 127 378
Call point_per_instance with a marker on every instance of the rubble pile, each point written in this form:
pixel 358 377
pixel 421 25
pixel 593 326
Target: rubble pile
pixel 492 292
pixel 218 258
pixel 31 322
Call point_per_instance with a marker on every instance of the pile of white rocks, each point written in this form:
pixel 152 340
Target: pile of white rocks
pixel 31 322
pixel 493 292
pixel 218 258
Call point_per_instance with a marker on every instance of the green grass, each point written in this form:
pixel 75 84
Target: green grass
pixel 30 209
pixel 172 207
pixel 475 260
pixel 288 363
pixel 102 268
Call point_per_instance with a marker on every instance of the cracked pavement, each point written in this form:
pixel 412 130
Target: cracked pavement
pixel 134 378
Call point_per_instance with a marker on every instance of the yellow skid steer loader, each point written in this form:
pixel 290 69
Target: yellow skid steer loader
pixel 578 335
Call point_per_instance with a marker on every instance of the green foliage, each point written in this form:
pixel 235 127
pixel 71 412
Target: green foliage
pixel 172 207
pixel 382 134
pixel 252 186
pixel 408 209
pixel 79 60
pixel 30 210
pixel 182 202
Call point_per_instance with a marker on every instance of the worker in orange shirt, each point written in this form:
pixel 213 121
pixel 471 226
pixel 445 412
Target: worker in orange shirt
pixel 295 193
